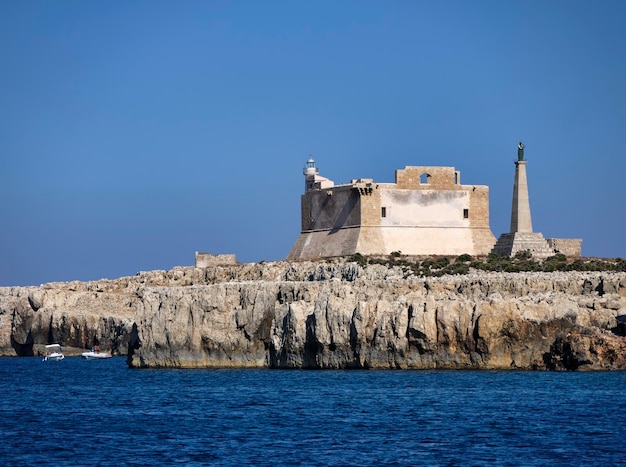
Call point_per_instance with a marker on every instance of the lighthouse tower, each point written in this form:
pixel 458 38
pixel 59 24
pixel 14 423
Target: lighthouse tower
pixel 521 237
pixel 312 179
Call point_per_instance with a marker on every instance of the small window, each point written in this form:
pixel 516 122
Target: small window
pixel 383 212
pixel 465 213
pixel 424 179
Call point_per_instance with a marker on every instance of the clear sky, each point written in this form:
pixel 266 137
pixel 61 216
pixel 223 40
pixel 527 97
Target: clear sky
pixel 134 133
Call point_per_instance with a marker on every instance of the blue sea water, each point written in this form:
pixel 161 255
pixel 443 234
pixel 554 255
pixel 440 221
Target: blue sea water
pixel 100 413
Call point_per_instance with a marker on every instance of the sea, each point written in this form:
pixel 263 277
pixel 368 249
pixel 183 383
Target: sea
pixel 101 413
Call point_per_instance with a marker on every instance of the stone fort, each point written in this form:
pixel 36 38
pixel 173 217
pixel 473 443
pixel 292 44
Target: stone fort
pixel 426 212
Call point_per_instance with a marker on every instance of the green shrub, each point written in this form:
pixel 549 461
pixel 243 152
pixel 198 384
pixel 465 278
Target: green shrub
pixel 378 261
pixel 358 258
pixel 577 265
pixel 562 267
pixel 548 266
pixel 479 265
pixel 558 258
pixel 525 254
pixel 529 265
pixel 463 258
pixel 494 258
pixel 457 268
pixel 599 265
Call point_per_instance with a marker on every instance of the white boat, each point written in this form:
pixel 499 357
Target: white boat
pixel 95 355
pixel 53 353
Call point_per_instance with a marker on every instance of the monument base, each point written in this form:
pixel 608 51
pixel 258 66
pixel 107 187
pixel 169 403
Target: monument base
pixel 509 244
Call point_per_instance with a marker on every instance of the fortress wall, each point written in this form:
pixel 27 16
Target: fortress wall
pixel 479 206
pixel 483 237
pixel 568 246
pixel 371 206
pixel 484 241
pixel 321 210
pixel 325 243
pixel 370 241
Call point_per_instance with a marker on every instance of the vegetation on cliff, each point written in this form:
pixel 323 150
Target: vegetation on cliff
pixel 463 264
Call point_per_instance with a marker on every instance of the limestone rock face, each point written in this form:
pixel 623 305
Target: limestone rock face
pixel 73 314
pixel 328 315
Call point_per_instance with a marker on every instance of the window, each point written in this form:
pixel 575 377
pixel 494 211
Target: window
pixel 465 213
pixel 424 179
pixel 383 212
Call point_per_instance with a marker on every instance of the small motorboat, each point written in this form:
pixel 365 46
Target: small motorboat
pixel 53 353
pixel 94 354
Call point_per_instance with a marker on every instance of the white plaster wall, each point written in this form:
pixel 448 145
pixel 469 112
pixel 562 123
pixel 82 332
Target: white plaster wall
pixel 428 241
pixel 425 208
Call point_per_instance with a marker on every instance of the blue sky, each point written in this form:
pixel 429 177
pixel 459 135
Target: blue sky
pixel 133 134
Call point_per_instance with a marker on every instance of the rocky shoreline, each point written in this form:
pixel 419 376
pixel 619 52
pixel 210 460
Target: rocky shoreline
pixel 324 315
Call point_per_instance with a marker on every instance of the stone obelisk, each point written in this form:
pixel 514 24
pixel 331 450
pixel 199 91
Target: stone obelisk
pixel 520 212
pixel 521 237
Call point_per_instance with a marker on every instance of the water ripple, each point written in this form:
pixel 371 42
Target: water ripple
pixel 100 413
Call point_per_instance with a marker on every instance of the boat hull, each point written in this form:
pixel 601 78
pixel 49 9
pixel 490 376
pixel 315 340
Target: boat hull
pixel 95 356
pixel 54 357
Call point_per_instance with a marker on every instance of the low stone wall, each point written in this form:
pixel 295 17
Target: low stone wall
pixel 570 247
pixel 205 260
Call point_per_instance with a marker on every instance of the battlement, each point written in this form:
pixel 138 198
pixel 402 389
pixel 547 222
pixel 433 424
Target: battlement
pixel 427 178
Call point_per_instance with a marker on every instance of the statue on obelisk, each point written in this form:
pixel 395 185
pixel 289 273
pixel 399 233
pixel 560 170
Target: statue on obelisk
pixel 520 212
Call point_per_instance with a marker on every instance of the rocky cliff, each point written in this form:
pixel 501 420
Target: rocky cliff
pixel 327 315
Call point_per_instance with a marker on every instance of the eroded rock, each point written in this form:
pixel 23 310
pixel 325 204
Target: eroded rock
pixel 327 315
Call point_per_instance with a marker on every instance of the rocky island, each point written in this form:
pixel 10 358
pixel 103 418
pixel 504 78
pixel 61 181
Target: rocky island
pixel 328 314
pixel 328 306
